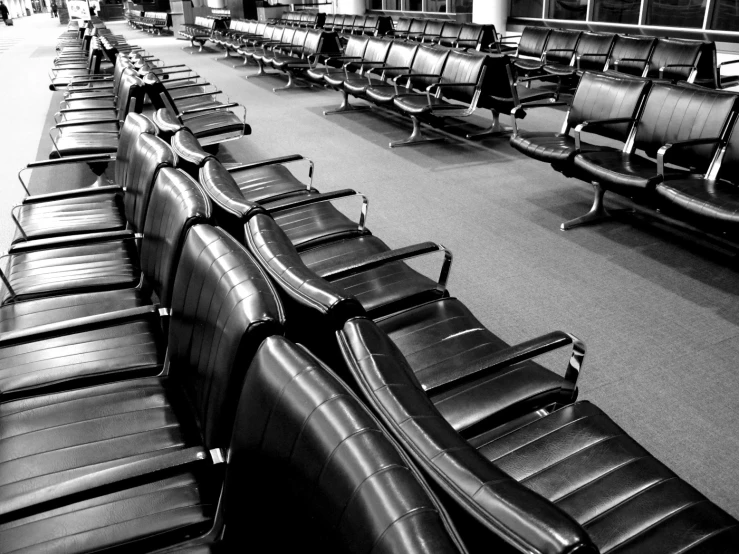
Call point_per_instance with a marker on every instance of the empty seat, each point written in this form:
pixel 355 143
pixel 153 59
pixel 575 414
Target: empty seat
pixel 631 54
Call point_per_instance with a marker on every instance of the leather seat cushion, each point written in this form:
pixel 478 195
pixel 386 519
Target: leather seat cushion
pixel 547 147
pixel 321 73
pixel 91 267
pixel 560 69
pixel 381 94
pixel 91 104
pixel 358 86
pixel 119 519
pixel 76 144
pixel 418 104
pixel 99 212
pixel 92 115
pixel 629 173
pixel 42 311
pixel 221 122
pixel 262 183
pixel 314 223
pixel 375 289
pixel 115 351
pixel 282 61
pixel 443 341
pixel 194 103
pixel 101 90
pixel 712 203
pixel 528 64
pixel 91 128
pixel 334 78
pixel 578 458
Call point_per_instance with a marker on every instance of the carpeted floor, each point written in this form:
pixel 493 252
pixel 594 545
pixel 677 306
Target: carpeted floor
pixel 659 314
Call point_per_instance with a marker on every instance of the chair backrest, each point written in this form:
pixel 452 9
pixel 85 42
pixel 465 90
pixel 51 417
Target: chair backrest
pixel 133 126
pixel 130 95
pixel 377 50
pixel 631 47
pixel 318 41
pixel 403 24
pixel 359 22
pixel 428 61
pixel 418 27
pixel 450 33
pixel 401 54
pixel 434 28
pixel 498 91
pixel 729 169
pixel 176 203
pixel 304 444
pixel 599 44
pixel 356 46
pixel 463 67
pixel 606 96
pixel 329 21
pixel 682 112
pixel 371 24
pixel 288 35
pixel 533 41
pixel 561 45
pixel 148 156
pixel 223 307
pixel 669 52
pixel 476 36
pixel 477 488
pixel 349 22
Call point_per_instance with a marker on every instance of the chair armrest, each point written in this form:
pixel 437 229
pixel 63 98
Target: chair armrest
pixel 729 62
pixel 197 95
pixel 546 53
pixel 593 55
pixel 263 163
pixel 326 197
pixel 519 112
pixel 211 108
pixel 662 69
pixel 67 241
pixel 86 158
pixel 596 123
pixel 522 352
pixel 386 67
pixel 48 330
pixel 74 193
pixel 537 78
pixel 64 124
pixel 396 255
pixel 670 148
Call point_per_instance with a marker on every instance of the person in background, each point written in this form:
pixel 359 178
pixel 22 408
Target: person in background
pixel 4 12
pixel 53 9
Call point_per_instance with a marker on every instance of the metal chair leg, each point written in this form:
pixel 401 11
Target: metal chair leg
pixel 416 136
pixel 291 84
pixel 497 129
pixel 596 214
pixel 346 107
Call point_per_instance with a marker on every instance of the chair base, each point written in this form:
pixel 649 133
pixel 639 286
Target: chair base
pixel 596 214
pixel 291 84
pixel 260 73
pixel 346 107
pixel 496 129
pixel 416 137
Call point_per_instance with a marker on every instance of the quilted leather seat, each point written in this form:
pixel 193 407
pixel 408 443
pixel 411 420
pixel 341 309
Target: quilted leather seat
pixel 75 437
pixel 568 480
pixel 316 449
pixel 108 261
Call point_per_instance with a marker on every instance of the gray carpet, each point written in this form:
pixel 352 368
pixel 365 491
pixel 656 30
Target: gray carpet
pixel 659 314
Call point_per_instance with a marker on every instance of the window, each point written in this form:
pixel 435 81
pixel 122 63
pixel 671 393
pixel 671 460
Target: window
pixel 725 15
pixel 526 8
pixel 568 9
pixel 616 11
pixel 414 5
pixel 462 6
pixel 374 4
pixel 392 4
pixel 435 5
pixel 676 13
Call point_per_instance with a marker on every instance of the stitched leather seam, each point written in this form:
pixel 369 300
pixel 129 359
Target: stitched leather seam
pixel 705 538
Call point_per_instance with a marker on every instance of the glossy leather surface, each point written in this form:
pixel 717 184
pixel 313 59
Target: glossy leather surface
pixel 712 204
pixel 501 505
pixel 636 48
pixel 317 448
pixel 443 342
pixel 561 46
pixel 533 40
pixel 545 147
pixel 625 499
pixel 625 173
pixel 599 44
pixel 678 52
pixel 214 123
pixel 77 144
pixel 379 289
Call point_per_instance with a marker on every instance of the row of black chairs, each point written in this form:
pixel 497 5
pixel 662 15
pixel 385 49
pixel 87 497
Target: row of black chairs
pixel 678 155
pixel 563 54
pixel 151 22
pixel 517 464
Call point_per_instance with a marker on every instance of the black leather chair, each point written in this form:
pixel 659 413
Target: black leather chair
pixel 530 46
pixel 298 61
pixel 113 207
pixel 305 448
pixel 631 54
pixel 452 354
pixel 559 51
pixel 686 115
pixel 210 120
pixel 592 54
pixel 136 465
pixel 675 60
pixel 399 59
pixel 94 262
pixel 598 96
pixel 455 94
pixel 401 27
pixel 349 60
pixel 98 136
pixel 415 30
pixel 564 479
pixel 501 95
